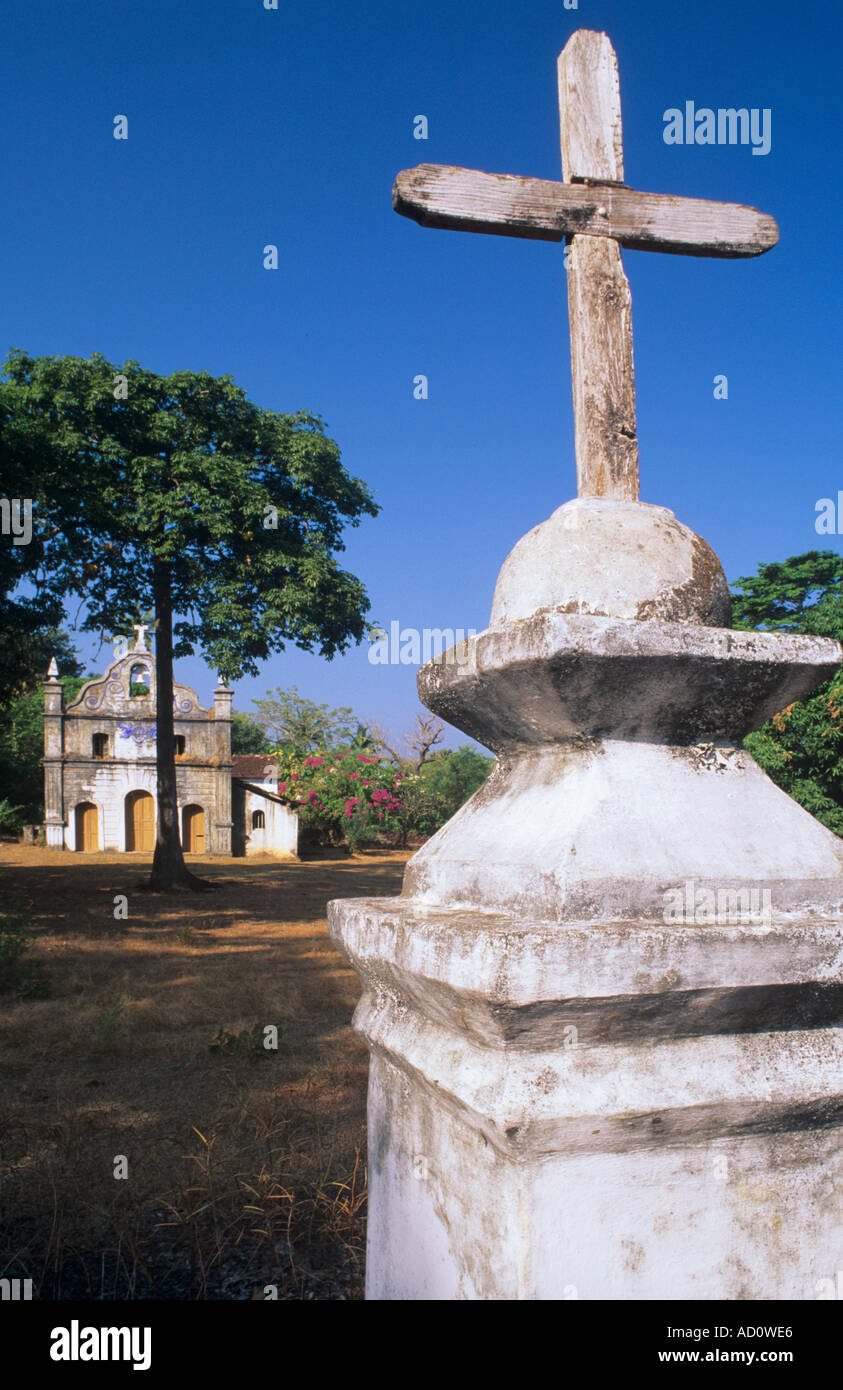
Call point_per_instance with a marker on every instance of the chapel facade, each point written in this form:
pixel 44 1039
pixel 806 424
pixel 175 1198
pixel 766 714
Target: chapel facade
pixel 100 770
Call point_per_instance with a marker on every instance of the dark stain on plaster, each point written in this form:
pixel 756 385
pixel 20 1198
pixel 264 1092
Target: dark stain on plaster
pixel 703 600
pixel 676 1014
pixel 692 1125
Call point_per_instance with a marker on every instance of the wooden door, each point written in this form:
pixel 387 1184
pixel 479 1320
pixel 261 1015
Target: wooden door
pixel 87 828
pixel 193 830
pixel 140 823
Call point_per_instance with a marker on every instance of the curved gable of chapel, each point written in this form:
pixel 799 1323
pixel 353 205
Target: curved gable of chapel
pixel 110 694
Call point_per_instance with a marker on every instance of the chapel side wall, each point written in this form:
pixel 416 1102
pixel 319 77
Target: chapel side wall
pixel 280 835
pixel 283 830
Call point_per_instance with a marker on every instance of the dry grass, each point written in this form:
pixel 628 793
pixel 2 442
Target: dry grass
pixel 246 1168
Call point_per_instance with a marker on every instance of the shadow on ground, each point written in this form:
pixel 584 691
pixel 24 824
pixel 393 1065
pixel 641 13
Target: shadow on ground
pixel 152 1146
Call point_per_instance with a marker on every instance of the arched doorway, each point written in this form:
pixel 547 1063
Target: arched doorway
pixel 87 828
pixel 140 822
pixel 193 830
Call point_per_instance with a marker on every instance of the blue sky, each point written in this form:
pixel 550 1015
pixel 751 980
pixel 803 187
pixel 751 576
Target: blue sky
pixel 250 126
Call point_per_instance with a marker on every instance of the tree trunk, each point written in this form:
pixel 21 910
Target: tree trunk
pixel 168 867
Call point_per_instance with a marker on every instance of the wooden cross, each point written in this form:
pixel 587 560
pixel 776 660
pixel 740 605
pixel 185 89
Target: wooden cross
pixel 598 214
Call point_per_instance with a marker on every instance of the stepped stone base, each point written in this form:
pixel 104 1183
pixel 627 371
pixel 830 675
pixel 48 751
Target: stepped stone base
pixel 559 1111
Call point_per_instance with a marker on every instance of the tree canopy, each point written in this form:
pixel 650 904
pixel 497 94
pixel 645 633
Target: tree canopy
pixel 300 726
pixel 246 735
pixel 787 595
pixel 801 748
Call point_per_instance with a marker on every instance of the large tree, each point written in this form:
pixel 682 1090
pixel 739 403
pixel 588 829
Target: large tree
pixel 246 735
pixel 788 595
pixel 28 614
pixel 297 726
pixel 801 748
pixel 179 494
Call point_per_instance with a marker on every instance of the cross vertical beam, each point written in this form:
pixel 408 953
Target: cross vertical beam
pixel 599 302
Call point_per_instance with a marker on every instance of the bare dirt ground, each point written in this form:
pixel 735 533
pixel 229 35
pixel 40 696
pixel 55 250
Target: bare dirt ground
pixel 245 1167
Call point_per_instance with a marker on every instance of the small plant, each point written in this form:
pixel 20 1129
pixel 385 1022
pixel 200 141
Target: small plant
pixel 24 978
pixel 185 935
pixel 107 1021
pixel 11 817
pixel 248 1042
pixel 32 983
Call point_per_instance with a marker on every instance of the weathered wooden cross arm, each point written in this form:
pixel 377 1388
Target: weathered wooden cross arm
pixel 467 200
pixel 598 213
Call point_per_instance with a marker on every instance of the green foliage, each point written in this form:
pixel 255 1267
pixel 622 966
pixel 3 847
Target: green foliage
pixel 435 791
pixel 363 740
pixel 783 595
pixel 26 617
pixel 26 652
pixel 342 796
pixel 297 726
pixel 11 817
pixel 185 470
pixel 249 1042
pixel 22 751
pixel 247 736
pixel 801 748
pixel 107 1021
pixel 18 976
pixel 454 775
pixel 345 796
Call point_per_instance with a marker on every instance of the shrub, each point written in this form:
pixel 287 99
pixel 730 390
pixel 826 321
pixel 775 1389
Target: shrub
pixel 342 796
pixel 11 817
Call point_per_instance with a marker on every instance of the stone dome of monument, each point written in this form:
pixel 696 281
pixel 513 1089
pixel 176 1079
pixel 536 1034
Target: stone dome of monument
pixel 616 559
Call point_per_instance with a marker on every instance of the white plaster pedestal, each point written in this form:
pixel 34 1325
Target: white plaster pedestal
pixel 552 1116
pixel 574 1093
